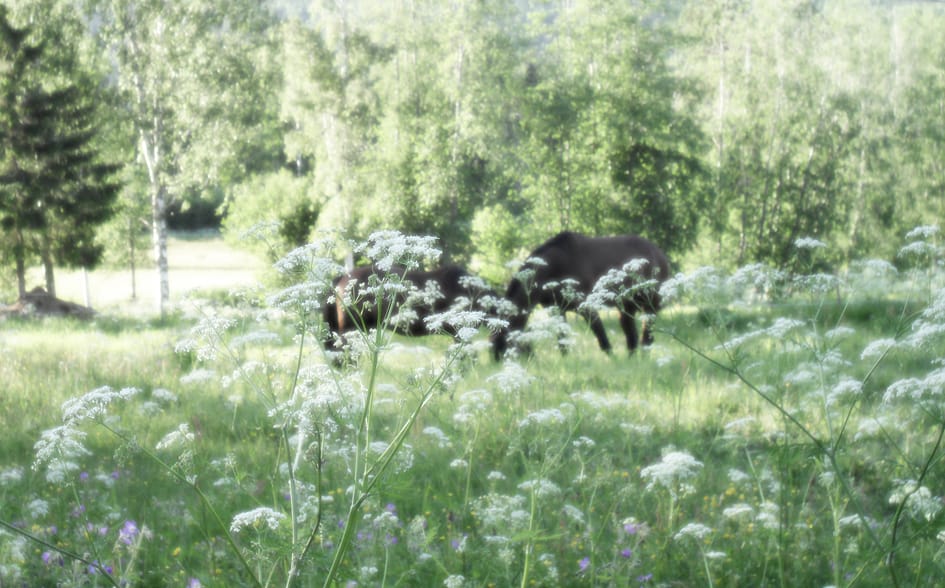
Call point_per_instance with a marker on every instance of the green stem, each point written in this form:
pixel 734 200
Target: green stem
pixel 528 545
pixel 891 554
pixel 65 552
pixel 203 499
pixel 826 451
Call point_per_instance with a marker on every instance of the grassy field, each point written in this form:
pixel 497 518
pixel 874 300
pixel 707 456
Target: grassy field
pixel 756 444
pixel 197 261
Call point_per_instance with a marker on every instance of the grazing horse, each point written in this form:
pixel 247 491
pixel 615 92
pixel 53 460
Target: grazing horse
pixel 356 303
pixel 565 269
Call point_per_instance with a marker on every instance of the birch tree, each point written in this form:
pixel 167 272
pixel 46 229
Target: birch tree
pixel 186 71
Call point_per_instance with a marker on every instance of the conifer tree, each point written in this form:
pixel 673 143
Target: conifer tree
pixel 55 190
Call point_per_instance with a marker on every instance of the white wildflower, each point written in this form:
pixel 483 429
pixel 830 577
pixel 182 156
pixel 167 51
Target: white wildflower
pixel 839 333
pixel 672 473
pixel 150 409
pixel 856 521
pixel 513 378
pixel 642 430
pixel 454 581
pixel 180 436
pixel 543 417
pixel 498 511
pixel 459 464
pixel 769 515
pixel 573 513
pixel 871 427
pixel 877 348
pixel 843 390
pixel 930 388
pixel 920 502
pixel 11 476
pixel 696 531
pixel 738 511
pixel 583 442
pixel 255 339
pixel 817 283
pixel 93 405
pixel 198 376
pixel 540 487
pixel 258 517
pixel 389 248
pixel 783 326
pixel 38 508
pixel 924 232
pixel 164 396
pixel 439 436
pixel 495 476
pixel 57 448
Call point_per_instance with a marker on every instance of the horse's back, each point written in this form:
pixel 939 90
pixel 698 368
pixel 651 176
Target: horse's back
pixel 586 258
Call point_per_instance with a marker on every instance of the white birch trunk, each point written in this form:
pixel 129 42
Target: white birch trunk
pixel 152 157
pixel 159 241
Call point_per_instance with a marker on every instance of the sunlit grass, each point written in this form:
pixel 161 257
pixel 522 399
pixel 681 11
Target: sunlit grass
pixel 731 452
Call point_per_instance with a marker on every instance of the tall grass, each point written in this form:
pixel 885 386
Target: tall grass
pixel 783 431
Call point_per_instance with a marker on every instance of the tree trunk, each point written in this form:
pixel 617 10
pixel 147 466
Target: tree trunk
pixel 131 247
pixel 150 148
pixel 159 241
pixel 20 271
pixel 49 273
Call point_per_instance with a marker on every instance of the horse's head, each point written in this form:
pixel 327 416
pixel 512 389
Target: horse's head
pixel 514 309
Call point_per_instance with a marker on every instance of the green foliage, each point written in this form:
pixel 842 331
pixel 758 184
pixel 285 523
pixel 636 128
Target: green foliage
pixel 611 143
pixel 280 199
pixel 56 189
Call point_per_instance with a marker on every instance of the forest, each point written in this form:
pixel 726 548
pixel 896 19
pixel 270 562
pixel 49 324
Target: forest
pixel 724 130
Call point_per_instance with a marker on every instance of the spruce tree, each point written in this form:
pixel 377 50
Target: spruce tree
pixel 55 189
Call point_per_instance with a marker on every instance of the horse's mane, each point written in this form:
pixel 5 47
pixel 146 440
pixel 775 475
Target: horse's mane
pixel 560 240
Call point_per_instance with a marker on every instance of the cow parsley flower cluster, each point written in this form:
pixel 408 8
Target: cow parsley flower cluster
pixel 60 448
pixel 673 473
pixel 262 517
pixel 389 248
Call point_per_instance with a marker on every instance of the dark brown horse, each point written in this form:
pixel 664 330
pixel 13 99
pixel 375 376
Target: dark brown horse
pixel 564 270
pixel 418 294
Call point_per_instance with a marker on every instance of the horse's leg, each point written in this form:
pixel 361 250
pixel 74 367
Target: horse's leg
pixel 647 333
pixel 629 326
pixel 597 327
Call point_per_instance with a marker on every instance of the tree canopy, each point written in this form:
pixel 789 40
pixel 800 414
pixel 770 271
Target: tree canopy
pixel 723 130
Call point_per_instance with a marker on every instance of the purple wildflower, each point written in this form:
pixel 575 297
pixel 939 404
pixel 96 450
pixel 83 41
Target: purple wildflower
pixel 95 568
pixel 584 564
pixel 128 532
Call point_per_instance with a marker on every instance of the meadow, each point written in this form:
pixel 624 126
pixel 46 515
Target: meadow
pixel 784 430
